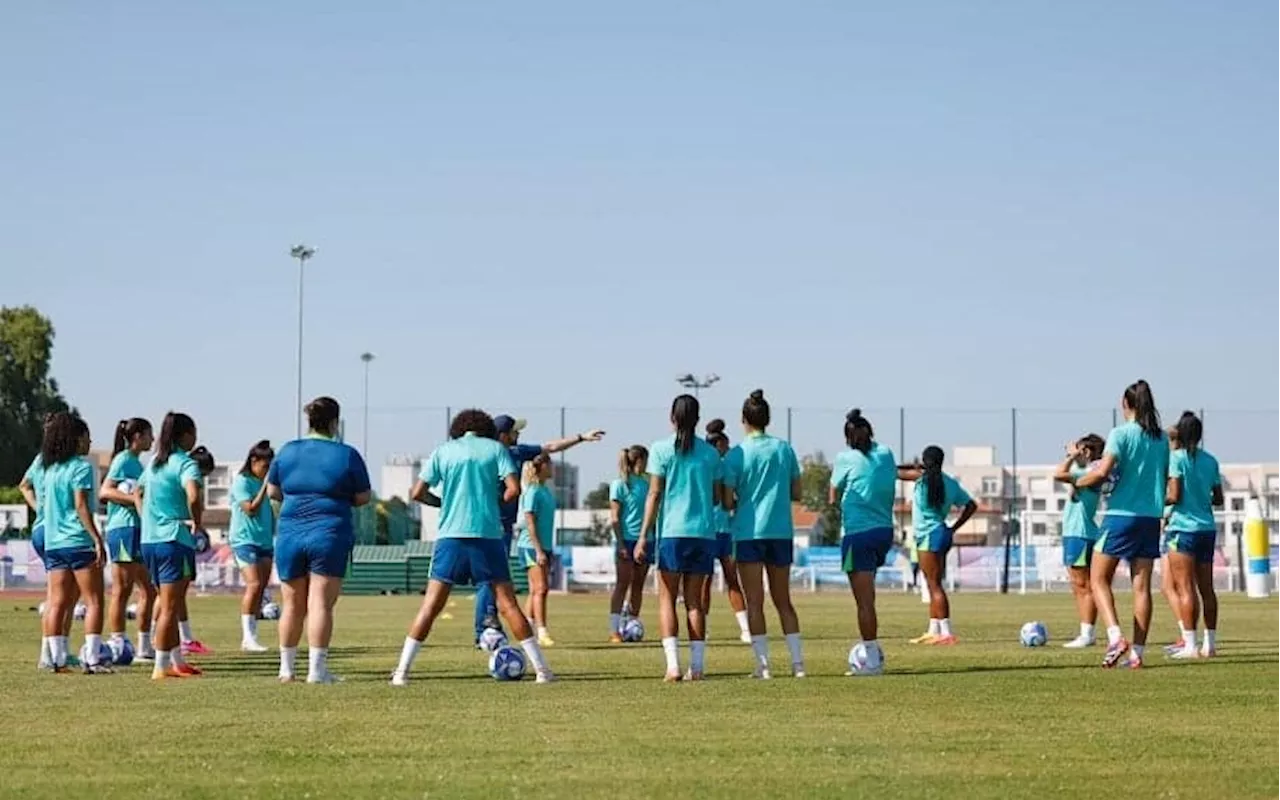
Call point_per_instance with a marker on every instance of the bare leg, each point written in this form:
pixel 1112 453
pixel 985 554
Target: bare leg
pixel 863 586
pixel 1208 595
pixel 939 603
pixel 1141 600
pixel 693 606
pixel 621 585
pixel 639 574
pixel 293 610
pixel 1101 573
pixel 1083 592
pixel 780 592
pixel 751 578
pixel 121 589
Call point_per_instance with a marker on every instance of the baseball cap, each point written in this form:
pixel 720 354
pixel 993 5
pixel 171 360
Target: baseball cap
pixel 506 424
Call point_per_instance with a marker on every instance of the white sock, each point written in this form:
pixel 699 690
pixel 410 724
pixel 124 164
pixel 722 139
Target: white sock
pixel 288 658
pixel 760 648
pixel 59 645
pixel 407 654
pixel 1086 631
pixel 698 656
pixel 944 627
pixel 1189 640
pixel 615 623
pixel 162 660
pixel 46 650
pixel 176 657
pixel 534 652
pixel 144 641
pixel 742 621
pixel 935 626
pixel 1210 639
pixel 93 644
pixel 117 638
pixel 317 662
pixel 671 649
pixel 793 645
pixel 542 632
pixel 246 627
pixel 1137 650
pixel 184 631
pixel 1113 634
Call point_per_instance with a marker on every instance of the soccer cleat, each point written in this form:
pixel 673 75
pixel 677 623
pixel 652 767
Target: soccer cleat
pixel 285 678
pixel 1184 654
pixel 1208 652
pixel 1079 642
pixel 324 679
pixel 545 676
pixel 615 638
pixel 163 674
pixel 1135 661
pixel 745 637
pixel 250 646
pixel 762 674
pixel 672 677
pixel 943 641
pixel 924 638
pixel 65 669
pixel 188 670
pixel 97 669
pixel 145 655
pixel 1115 652
pixel 1170 649
pixel 797 671
pixel 195 648
pixel 398 678
pixel 692 676
pixel 545 640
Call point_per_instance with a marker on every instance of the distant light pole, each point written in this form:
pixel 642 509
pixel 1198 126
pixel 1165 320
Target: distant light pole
pixel 367 358
pixel 303 254
pixel 688 381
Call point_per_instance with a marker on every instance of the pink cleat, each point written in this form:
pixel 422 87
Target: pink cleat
pixel 1115 652
pixel 195 648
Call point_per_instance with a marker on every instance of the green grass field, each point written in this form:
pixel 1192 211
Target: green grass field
pixel 987 718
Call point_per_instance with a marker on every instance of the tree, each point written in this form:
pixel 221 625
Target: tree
pixel 27 393
pixel 600 532
pixel 598 498
pixel 815 482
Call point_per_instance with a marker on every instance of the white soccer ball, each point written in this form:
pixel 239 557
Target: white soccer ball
pixel 270 611
pixel 79 611
pixel 105 656
pixel 131 611
pixel 633 630
pixel 1033 634
pixel 492 639
pixel 506 664
pixel 125 486
pixel 122 653
pixel 865 660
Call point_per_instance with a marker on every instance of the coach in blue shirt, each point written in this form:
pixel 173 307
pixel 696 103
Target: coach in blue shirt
pixel 509 434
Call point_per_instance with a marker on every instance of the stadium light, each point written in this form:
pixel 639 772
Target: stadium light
pixel 688 381
pixel 303 254
pixel 367 358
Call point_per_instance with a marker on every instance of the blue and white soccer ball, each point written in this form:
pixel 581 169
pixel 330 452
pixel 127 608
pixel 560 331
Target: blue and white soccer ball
pixel 131 611
pixel 506 664
pixel 633 630
pixel 1033 634
pixel 492 640
pixel 121 653
pixel 105 655
pixel 270 611
pixel 79 611
pixel 865 660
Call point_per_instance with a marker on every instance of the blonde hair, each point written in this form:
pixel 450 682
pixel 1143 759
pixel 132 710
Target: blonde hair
pixel 529 473
pixel 629 461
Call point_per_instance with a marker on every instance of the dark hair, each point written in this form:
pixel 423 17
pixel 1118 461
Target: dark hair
pixel 175 424
pixel 322 413
pixel 716 434
pixel 126 431
pixel 755 410
pixel 931 460
pixel 1190 432
pixel 1093 444
pixel 857 431
pixel 259 452
pixel 472 420
pixel 684 415
pixel 62 432
pixel 203 459
pixel 1138 398
pixel 629 459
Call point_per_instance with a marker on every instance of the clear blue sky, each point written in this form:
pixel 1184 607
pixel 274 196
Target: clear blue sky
pixel 938 205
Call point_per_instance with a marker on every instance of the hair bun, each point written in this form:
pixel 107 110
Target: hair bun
pixel 758 394
pixel 263 444
pixel 854 415
pixel 715 426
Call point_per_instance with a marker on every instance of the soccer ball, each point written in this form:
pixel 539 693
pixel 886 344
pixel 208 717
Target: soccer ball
pixel 131 612
pixel 633 630
pixel 506 664
pixel 79 611
pixel 105 656
pixel 122 653
pixel 492 639
pixel 1110 483
pixel 270 611
pixel 202 541
pixel 125 486
pixel 1033 634
pixel 866 660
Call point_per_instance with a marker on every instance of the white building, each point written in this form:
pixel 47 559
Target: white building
pixel 399 473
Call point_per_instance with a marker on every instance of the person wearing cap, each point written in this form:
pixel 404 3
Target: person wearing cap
pixel 509 429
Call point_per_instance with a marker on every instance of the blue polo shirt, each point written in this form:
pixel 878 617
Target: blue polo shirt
pixel 508 512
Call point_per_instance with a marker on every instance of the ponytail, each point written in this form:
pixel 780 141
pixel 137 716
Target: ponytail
pixel 630 460
pixel 1190 431
pixel 126 431
pixel 203 459
pixel 931 460
pixel 857 432
pixel 259 452
pixel 1139 400
pixel 684 415
pixel 175 425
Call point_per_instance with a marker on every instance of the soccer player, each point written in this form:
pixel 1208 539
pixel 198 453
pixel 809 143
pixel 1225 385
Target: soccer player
pixel 537 527
pixel 936 494
pixel 469 468
pixel 627 494
pixel 724 545
pixel 191 646
pixel 863 482
pixel 684 482
pixel 1080 531
pixel 508 432
pixel 1136 460
pixel 318 480
pixel 74 551
pixel 761 480
pixel 124 535
pixel 169 494
pixel 252 538
pixel 1194 489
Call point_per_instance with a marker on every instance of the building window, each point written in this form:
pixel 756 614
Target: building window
pixel 1237 528
pixel 1272 483
pixel 1062 504
pixel 990 486
pixel 1237 504
pixel 1037 504
pixel 1039 529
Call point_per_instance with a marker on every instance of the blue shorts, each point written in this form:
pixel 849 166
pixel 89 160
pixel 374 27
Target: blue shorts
pixel 770 552
pixel 471 560
pixel 1198 544
pixel 247 555
pixel 1077 551
pixel 529 557
pixel 299 556
pixel 37 540
pixel 627 549
pixel 690 555
pixel 865 551
pixel 724 545
pixel 1129 538
pixel 72 558
pixel 937 541
pixel 124 545
pixel 169 562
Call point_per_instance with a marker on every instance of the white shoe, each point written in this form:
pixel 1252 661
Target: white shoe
pixel 398 678
pixel 145 656
pixel 1079 642
pixel 545 676
pixel 326 678
pixel 745 638
pixel 762 674
pixel 797 671
pixel 250 646
pixel 1185 654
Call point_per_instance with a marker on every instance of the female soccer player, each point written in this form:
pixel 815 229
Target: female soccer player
pixel 32 488
pixel 863 481
pixel 724 545
pixel 761 480
pixel 627 494
pixel 190 645
pixel 684 481
pixel 169 494
pixel 252 536
pixel 1136 459
pixel 124 535
pixel 1194 489
pixel 537 531
pixel 475 473
pixel 74 551
pixel 936 494
pixel 1080 531
pixel 318 481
